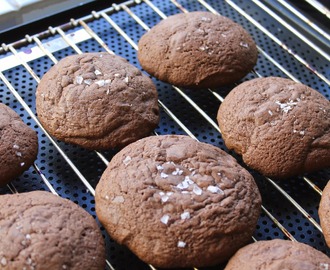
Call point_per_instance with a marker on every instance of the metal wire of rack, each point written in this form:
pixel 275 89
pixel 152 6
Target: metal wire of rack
pixel 68 175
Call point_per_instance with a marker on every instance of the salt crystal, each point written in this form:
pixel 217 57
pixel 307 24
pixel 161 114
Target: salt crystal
pixel 302 132
pixel 286 107
pixel 19 154
pixel 181 244
pixel 185 215
pixel 28 236
pixel 177 171
pixel 161 193
pixel 163 175
pixel 127 160
pixel 270 112
pixel 108 91
pixel 107 197
pixel 324 266
pixel 164 198
pixel 100 83
pixel 205 19
pixel 64 266
pixel 118 199
pixel 117 75
pixel 126 80
pixel 3 261
pixel 164 219
pixel 97 72
pixel 215 189
pixel 88 82
pixel 243 44
pixel 197 190
pixel 223 35
pixel 184 192
pixel 159 167
pixel 15 146
pixel 22 164
pixel 79 79
pixel 188 180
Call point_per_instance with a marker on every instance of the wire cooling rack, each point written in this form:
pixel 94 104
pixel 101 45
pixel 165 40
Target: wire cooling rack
pixel 290 44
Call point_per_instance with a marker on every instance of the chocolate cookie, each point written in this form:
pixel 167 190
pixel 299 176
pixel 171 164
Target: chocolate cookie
pixel 197 50
pixel 98 101
pixel 324 213
pixel 176 202
pixel 278 254
pixel 39 230
pixel 280 127
pixel 18 147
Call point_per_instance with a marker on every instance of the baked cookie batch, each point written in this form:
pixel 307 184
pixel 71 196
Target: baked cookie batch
pixel 173 201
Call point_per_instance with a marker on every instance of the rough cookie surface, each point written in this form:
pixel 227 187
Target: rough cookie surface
pixel 278 254
pixel 176 202
pixel 324 213
pixel 18 147
pixel 39 230
pixel 280 127
pixel 198 50
pixel 98 101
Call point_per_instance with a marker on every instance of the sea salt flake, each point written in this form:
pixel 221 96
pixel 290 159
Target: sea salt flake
pixel 15 146
pixel 215 189
pixel 28 236
pixel 185 215
pixel 108 91
pixel 118 199
pixel 181 244
pixel 188 180
pixel 64 266
pixel 164 219
pixel 117 75
pixel 184 192
pixel 302 132
pixel 79 79
pixel 270 112
pixel 163 175
pixel 205 19
pixel 125 79
pixel 164 198
pixel 324 266
pixel 161 193
pixel 127 160
pixel 159 167
pixel 22 164
pixel 177 172
pixel 97 72
pixel 286 107
pixel 197 190
pixel 100 83
pixel 243 44
pixel 19 154
pixel 203 48
pixel 3 261
pixel 106 197
pixel 88 82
